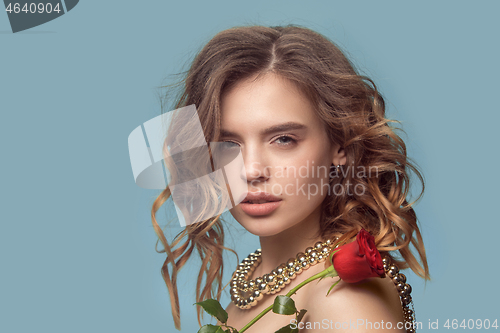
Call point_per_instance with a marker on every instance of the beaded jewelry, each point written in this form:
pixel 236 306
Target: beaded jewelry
pixel 246 293
pixel 277 279
pixel 404 289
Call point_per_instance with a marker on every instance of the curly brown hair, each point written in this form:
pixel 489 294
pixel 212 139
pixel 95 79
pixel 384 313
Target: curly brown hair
pixel 354 114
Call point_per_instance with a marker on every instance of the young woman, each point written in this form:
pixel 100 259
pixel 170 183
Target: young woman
pixel 321 163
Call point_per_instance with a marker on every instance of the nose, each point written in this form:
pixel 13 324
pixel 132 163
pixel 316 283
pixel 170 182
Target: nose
pixel 256 168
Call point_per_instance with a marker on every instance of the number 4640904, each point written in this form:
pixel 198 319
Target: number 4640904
pixel 32 8
pixel 471 324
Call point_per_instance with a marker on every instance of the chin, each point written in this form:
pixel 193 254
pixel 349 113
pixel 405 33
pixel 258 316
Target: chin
pixel 262 228
pixel 263 233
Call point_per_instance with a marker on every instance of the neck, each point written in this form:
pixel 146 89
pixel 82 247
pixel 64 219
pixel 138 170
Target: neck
pixel 277 249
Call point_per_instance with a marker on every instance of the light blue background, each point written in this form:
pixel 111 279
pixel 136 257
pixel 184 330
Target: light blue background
pixel 76 242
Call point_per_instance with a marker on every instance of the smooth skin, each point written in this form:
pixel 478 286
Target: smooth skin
pixel 248 109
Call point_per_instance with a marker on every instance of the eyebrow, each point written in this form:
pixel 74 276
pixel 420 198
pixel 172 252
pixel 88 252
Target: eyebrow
pixel 271 130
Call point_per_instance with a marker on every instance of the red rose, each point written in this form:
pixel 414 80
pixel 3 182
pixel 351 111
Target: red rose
pixel 358 260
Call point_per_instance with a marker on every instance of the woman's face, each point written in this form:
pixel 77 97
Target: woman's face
pixel 292 162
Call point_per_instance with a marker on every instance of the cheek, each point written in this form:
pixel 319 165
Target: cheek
pixel 305 179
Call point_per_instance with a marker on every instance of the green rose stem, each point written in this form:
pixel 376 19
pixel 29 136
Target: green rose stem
pixel 330 271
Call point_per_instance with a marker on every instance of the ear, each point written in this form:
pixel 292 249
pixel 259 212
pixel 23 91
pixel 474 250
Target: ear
pixel 339 156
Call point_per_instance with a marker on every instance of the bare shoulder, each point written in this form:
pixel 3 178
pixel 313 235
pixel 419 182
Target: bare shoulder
pixel 351 307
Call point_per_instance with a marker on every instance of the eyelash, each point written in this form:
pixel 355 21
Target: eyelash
pixel 292 141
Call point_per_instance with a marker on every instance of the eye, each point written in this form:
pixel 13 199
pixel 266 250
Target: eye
pixel 286 141
pixel 228 145
pixel 225 147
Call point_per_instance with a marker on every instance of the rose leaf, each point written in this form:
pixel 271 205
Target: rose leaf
pixel 213 308
pixel 284 305
pixel 300 315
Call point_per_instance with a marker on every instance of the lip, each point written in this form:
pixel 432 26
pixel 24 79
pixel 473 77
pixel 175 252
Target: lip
pixel 263 196
pixel 259 209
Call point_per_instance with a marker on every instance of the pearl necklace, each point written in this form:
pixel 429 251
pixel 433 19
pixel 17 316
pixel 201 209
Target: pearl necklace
pixel 404 290
pixel 273 282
